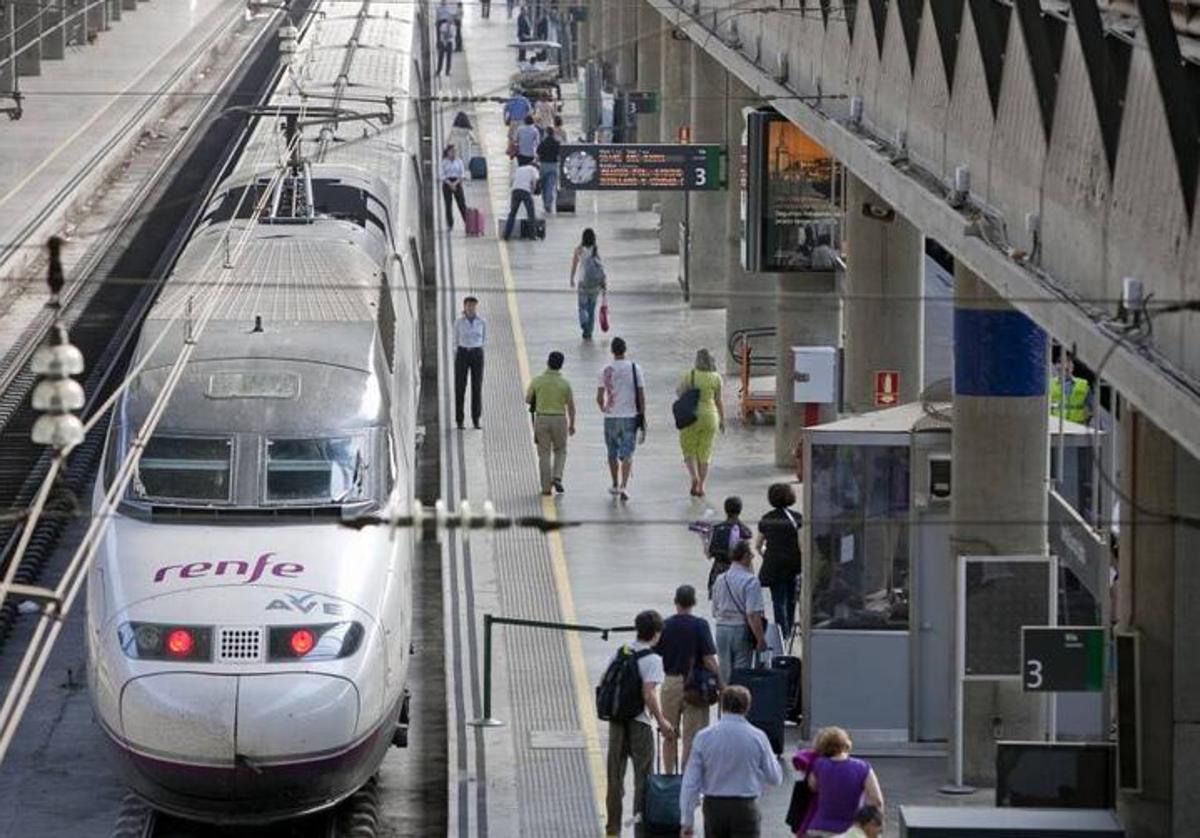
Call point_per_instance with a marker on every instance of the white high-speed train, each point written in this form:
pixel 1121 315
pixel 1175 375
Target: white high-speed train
pixel 248 654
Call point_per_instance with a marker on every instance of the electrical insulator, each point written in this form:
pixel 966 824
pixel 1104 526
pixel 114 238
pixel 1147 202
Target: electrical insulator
pixel 57 395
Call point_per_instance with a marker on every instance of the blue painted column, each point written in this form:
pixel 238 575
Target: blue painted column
pixel 999 479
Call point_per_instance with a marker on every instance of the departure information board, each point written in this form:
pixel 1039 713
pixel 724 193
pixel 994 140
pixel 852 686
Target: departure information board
pixel 639 166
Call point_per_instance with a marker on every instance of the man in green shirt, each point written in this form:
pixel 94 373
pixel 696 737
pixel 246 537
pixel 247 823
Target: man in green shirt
pixel 553 408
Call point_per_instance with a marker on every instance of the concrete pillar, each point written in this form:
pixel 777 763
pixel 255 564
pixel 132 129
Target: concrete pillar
pixel 97 18
pixel 595 34
pixel 808 314
pixel 708 261
pixel 752 296
pixel 607 22
pixel 999 477
pixel 675 102
pixel 649 78
pixel 114 10
pixel 28 41
pixel 625 45
pixel 76 23
pixel 54 39
pixel 7 73
pixel 885 265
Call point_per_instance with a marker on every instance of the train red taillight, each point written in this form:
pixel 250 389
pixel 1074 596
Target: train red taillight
pixel 180 643
pixel 302 641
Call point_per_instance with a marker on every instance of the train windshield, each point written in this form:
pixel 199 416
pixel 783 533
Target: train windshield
pixel 319 470
pixel 185 469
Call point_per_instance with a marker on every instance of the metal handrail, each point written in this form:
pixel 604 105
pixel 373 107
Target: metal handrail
pixel 737 338
pixel 490 620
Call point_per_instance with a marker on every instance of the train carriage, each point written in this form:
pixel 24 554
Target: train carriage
pixel 248 653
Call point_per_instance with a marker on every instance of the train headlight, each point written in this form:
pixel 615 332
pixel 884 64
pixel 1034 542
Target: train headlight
pixel 313 643
pixel 162 641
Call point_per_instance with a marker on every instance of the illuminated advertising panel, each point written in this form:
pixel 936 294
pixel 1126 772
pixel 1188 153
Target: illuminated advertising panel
pixel 793 198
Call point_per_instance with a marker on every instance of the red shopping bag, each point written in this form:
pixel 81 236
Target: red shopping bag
pixel 604 313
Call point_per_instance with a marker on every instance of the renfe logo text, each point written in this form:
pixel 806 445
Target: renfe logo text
pixel 232 568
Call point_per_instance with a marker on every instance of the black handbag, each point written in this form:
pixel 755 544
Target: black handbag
pixel 802 796
pixel 701 687
pixel 687 407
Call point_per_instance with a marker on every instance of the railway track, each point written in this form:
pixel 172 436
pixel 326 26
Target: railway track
pixel 116 282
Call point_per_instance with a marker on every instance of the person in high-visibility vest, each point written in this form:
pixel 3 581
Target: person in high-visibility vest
pixel 1073 405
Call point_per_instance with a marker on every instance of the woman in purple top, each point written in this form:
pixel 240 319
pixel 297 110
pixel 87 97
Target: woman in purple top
pixel 840 782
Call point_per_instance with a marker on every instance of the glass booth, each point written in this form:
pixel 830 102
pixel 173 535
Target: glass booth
pixel 877 593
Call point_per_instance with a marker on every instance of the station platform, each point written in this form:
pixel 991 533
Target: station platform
pixel 542 772
pixel 84 118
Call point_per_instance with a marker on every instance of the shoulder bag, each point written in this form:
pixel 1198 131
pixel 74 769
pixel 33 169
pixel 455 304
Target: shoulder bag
pixel 637 398
pixel 687 407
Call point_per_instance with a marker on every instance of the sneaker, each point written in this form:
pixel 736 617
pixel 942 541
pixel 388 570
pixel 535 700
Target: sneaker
pixel 547 493
pixel 624 494
pixel 558 487
pixel 613 490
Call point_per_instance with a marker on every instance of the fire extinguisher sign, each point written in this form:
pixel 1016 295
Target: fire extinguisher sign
pixel 887 388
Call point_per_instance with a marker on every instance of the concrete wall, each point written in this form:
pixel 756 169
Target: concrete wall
pixel 1097 225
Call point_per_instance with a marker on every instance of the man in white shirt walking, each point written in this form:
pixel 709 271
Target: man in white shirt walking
pixel 470 336
pixel 621 396
pixel 523 183
pixel 729 765
pixel 633 741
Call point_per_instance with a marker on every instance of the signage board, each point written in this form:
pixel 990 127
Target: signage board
pixel 887 388
pixel 643 101
pixel 642 166
pixel 793 202
pixel 1062 659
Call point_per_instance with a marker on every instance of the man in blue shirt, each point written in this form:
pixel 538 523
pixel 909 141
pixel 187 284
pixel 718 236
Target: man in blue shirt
pixel 730 763
pixel 516 109
pixel 686 644
pixel 470 336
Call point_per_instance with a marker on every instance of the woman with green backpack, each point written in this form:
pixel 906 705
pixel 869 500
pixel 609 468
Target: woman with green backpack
pixel 588 276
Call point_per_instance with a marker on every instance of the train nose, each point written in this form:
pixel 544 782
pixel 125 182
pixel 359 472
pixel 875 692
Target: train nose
pixel 271 741
pixel 294 715
pixel 217 719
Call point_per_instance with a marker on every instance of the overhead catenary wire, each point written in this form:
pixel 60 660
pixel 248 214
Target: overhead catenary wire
pixel 50 620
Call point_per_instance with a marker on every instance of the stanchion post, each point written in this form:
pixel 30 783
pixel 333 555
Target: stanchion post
pixel 487 720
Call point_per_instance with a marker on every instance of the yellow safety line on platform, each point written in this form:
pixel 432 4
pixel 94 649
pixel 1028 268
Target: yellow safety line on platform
pixel 558 553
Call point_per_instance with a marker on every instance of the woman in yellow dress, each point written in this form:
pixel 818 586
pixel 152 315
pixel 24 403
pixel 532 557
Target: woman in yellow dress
pixel 696 440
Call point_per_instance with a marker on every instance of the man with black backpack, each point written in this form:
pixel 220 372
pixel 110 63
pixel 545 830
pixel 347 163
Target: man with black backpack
pixel 627 698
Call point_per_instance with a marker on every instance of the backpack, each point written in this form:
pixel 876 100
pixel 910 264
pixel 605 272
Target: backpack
pixel 619 694
pixel 593 272
pixel 722 539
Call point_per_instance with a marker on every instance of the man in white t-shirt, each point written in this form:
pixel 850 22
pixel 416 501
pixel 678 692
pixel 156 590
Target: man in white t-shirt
pixel 523 183
pixel 621 395
pixel 633 741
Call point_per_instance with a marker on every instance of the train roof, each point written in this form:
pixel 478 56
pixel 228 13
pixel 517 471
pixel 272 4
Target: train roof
pixel 285 274
pixel 316 379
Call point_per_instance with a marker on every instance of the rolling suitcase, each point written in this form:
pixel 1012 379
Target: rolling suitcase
pixel 791 666
pixel 474 222
pixel 564 201
pixel 478 168
pixel 660 814
pixel 533 228
pixel 774 639
pixel 768 701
